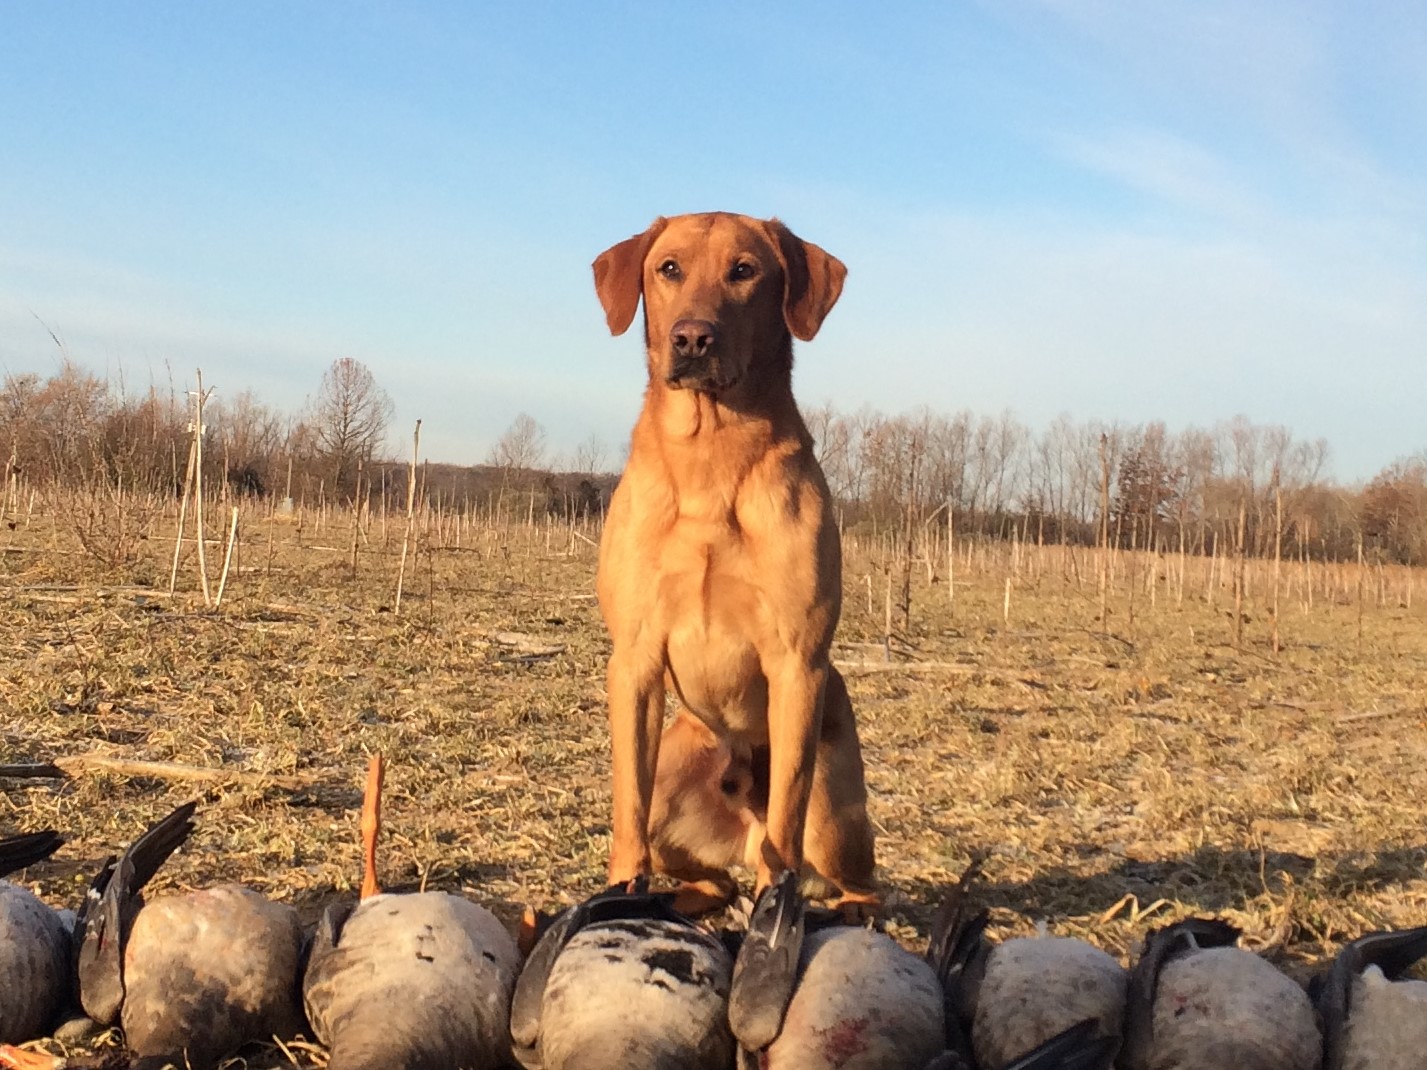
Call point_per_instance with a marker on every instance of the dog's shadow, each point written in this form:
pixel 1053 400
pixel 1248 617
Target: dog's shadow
pixel 1209 880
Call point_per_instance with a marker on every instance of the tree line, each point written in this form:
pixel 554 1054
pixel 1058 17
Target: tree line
pixel 1238 484
pixel 76 430
pixel 1200 491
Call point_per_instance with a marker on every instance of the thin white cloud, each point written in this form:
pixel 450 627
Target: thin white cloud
pixel 1167 167
pixel 1311 327
pixel 1278 87
pixel 1267 59
pixel 466 385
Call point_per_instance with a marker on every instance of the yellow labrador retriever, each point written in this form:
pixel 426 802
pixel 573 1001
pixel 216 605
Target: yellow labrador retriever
pixel 720 573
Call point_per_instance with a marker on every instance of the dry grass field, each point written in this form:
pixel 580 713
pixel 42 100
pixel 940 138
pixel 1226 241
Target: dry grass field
pixel 1117 774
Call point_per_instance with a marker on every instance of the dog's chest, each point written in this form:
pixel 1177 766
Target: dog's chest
pixel 714 616
pixel 708 582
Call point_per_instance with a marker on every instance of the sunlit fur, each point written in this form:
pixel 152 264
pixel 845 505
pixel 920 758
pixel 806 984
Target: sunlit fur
pixel 720 566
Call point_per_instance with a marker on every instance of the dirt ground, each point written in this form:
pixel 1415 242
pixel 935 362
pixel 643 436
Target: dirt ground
pixel 1118 774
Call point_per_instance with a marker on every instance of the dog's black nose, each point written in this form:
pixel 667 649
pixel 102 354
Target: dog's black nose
pixel 693 338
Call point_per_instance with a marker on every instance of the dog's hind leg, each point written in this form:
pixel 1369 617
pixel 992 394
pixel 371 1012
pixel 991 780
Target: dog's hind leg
pixel 702 814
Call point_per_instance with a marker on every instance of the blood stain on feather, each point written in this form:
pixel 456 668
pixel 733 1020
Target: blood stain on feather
pixel 846 1039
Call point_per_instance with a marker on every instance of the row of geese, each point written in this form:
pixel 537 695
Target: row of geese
pixel 433 981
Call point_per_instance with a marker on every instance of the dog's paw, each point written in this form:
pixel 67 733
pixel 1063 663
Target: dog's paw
pixel 859 908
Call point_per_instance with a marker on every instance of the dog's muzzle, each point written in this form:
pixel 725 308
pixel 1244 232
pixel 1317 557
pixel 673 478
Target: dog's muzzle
pixel 692 373
pixel 692 345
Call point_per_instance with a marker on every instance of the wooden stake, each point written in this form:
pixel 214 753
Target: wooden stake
pixel 950 554
pixel 887 633
pixel 198 487
pixel 1360 592
pixel 78 764
pixel 1277 553
pixel 410 512
pixel 1239 576
pixel 182 516
pixel 1104 530
pixel 357 516
pixel 227 558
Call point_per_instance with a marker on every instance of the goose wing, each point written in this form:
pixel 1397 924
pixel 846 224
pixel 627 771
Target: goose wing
pixel 766 969
pixel 17 852
pixel 102 927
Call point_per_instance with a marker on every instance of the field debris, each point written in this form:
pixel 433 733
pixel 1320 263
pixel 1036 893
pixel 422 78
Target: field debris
pixel 1114 775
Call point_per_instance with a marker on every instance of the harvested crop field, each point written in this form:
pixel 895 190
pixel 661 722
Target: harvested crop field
pixel 1116 774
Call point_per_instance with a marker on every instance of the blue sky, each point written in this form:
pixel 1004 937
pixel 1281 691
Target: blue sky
pixel 1133 211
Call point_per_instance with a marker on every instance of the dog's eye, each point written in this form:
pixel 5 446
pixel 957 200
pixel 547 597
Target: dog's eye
pixel 670 270
pixel 741 270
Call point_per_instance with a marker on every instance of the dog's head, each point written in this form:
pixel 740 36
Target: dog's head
pixel 723 296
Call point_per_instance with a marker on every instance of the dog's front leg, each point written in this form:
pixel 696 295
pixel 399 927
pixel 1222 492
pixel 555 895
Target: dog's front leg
pixel 636 718
pixel 795 690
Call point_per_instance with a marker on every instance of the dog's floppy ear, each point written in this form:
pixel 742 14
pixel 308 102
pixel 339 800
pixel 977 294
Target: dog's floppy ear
pixel 812 281
pixel 619 277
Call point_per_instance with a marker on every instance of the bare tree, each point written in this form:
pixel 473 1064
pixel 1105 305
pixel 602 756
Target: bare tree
pixel 590 456
pixel 1394 510
pixel 349 417
pixel 250 437
pixel 522 446
pixel 71 409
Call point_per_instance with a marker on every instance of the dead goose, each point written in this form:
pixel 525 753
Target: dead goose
pixel 35 970
pixel 623 981
pixel 190 977
pixel 114 900
pixel 810 997
pixel 1196 1000
pixel 1081 1047
pixel 409 982
pixel 1017 995
pixel 1371 1019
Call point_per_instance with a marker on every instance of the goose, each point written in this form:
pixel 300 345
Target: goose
pixel 191 977
pixel 1371 1019
pixel 1008 999
pixel 35 971
pixel 1197 1000
pixel 623 980
pixel 409 982
pixel 810 994
pixel 114 901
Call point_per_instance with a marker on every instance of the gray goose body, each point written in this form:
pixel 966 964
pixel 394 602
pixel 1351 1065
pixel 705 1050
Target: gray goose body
pixel 1199 1002
pixel 412 982
pixel 623 983
pixel 209 971
pixel 1007 1001
pixel 190 977
pixel 1372 1020
pixel 1027 990
pixel 409 982
pixel 861 1003
pixel 836 998
pixel 35 956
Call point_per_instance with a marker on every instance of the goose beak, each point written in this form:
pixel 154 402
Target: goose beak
pixel 371 825
pixel 529 934
pixel 14 1058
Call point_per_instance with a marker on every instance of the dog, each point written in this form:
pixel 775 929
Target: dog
pixel 720 574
